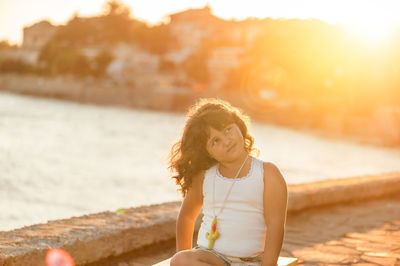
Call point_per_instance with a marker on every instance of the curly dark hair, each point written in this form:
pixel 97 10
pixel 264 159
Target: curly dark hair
pixel 189 156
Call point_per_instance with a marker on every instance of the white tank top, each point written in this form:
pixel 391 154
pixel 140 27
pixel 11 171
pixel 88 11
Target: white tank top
pixel 241 224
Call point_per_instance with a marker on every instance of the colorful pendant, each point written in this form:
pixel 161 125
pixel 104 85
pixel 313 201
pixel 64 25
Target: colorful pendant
pixel 213 234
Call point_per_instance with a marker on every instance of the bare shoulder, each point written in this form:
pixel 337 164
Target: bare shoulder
pixel 269 166
pixel 272 175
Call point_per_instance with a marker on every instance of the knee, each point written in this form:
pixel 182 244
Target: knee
pixel 180 259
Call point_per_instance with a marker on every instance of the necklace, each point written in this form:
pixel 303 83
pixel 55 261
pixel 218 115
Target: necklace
pixel 214 234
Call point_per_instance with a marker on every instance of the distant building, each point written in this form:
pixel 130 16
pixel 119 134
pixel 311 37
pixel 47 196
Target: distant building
pixel 34 38
pixel 193 25
pixel 228 39
pixel 130 60
pixel 190 27
pixel 221 61
pixel 37 35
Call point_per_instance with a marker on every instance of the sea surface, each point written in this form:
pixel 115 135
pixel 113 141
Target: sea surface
pixel 60 159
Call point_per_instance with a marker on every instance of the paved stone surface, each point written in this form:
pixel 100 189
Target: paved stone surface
pixel 359 234
pixel 366 233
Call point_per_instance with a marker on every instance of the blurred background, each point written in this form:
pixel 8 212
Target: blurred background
pixel 93 94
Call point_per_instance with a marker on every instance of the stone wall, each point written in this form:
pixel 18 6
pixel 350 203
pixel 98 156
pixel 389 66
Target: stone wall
pixel 95 237
pixel 100 92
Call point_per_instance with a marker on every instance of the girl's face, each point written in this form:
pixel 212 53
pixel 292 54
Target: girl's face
pixel 225 145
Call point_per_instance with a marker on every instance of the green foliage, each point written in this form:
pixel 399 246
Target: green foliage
pixel 16 66
pixel 4 44
pixel 100 63
pixel 297 58
pixel 120 211
pixel 114 26
pixel 77 32
pixel 195 66
pixel 59 59
pixel 61 55
pixel 156 39
pixel 116 8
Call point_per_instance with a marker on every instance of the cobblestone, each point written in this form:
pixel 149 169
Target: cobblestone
pixel 364 233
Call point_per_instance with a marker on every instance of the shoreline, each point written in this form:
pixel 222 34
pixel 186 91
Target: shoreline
pixel 373 130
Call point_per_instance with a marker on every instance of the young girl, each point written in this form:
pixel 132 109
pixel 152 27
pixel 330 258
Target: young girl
pixel 243 199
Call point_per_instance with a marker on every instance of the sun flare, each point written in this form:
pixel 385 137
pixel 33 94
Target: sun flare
pixel 371 30
pixel 371 22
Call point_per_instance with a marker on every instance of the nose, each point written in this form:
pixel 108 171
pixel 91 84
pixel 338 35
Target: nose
pixel 226 140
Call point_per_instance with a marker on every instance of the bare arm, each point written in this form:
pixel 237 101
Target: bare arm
pixel 275 205
pixel 190 208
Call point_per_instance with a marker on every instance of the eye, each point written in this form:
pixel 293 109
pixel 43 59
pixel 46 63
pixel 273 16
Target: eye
pixel 214 142
pixel 228 129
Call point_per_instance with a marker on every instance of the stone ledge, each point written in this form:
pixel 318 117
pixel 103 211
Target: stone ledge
pixel 90 238
pixel 336 191
pixel 94 237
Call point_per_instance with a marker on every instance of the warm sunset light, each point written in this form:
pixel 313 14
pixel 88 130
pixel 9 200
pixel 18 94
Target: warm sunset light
pixel 373 23
pixel 368 19
pixel 113 112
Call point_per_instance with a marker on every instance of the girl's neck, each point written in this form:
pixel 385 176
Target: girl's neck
pixel 229 169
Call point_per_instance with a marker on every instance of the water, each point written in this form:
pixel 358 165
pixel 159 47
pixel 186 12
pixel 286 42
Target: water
pixel 61 159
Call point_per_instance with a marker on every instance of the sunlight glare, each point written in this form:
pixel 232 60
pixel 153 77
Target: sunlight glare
pixel 373 22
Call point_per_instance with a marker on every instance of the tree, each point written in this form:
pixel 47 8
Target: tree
pixel 116 8
pixel 57 59
pixel 16 66
pixel 157 39
pixel 5 44
pixel 195 66
pixel 100 63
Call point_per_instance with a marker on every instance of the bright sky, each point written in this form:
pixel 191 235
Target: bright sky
pixel 371 18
